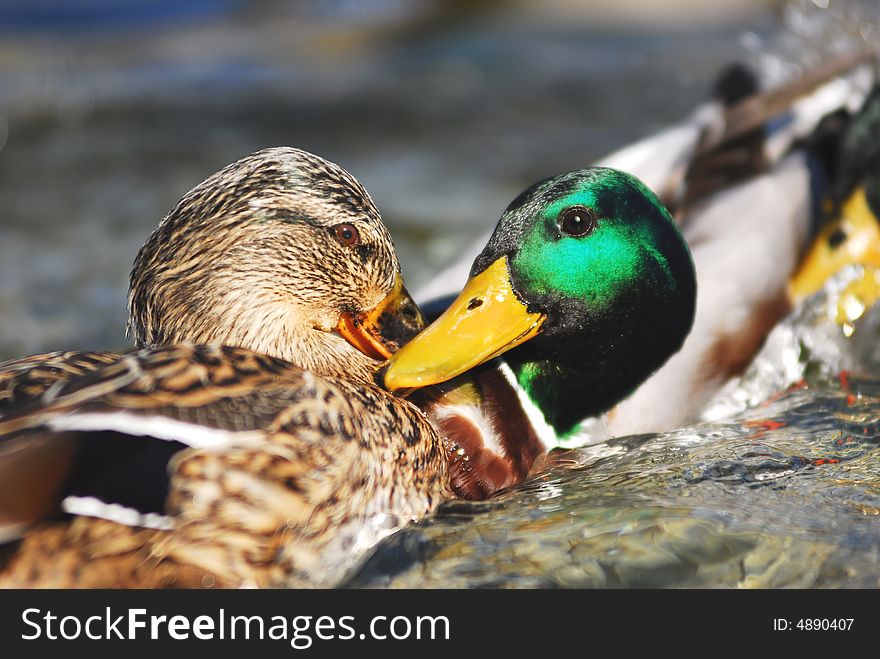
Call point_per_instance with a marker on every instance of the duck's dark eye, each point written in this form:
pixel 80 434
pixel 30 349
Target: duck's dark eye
pixel 346 233
pixel 577 221
pixel 836 238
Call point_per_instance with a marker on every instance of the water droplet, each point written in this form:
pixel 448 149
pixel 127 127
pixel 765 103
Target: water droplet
pixel 848 330
pixel 852 307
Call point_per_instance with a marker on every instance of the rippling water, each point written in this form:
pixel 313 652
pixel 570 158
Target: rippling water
pixel 785 492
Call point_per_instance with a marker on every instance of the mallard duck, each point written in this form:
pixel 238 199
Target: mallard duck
pixel 586 288
pixel 853 234
pixel 488 420
pixel 743 200
pixel 254 450
pixel 272 481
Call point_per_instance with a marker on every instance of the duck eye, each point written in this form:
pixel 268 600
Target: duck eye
pixel 836 239
pixel 577 221
pixel 346 233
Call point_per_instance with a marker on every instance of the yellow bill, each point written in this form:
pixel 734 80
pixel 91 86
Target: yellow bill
pixel 484 321
pixel 854 238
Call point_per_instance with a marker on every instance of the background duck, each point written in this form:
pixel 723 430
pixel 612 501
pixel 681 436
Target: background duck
pixel 744 199
pixel 274 462
pixel 852 236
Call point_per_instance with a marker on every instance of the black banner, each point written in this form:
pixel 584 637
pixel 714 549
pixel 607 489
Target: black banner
pixel 290 623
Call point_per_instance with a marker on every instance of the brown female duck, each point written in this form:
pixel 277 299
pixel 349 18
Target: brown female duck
pixel 245 443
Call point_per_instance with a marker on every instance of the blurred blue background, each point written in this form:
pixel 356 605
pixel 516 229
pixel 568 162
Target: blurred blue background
pixel 111 109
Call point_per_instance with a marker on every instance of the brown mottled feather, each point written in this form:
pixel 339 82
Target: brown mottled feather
pixel 305 483
pixel 95 553
pixel 23 380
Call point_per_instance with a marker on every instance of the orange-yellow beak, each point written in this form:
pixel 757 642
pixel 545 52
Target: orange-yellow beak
pixel 485 320
pixel 381 332
pixel 859 242
pixel 853 238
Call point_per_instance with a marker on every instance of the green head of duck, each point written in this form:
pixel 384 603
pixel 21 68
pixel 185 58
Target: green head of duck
pixel 586 287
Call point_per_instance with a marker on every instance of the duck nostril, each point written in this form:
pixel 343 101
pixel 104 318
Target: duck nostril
pixel 837 238
pixel 409 312
pixel 474 303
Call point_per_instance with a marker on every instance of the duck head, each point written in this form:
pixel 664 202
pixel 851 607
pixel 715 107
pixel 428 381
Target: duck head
pixel 586 287
pixel 852 234
pixel 281 252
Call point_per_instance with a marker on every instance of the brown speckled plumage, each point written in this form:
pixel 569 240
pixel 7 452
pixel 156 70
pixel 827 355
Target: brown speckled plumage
pixel 25 379
pixel 303 462
pixel 310 471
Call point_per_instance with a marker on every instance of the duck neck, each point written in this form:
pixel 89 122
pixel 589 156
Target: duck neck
pixel 489 436
pixel 567 386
